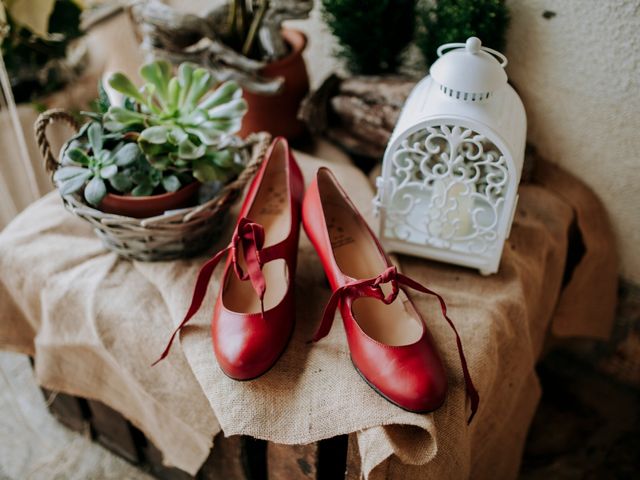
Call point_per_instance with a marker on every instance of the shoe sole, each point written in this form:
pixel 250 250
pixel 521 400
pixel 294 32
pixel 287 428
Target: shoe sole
pixel 375 389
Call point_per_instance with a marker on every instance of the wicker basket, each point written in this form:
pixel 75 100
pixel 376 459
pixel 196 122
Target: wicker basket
pixel 180 234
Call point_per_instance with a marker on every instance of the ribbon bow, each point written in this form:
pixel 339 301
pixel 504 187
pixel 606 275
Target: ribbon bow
pixel 249 236
pixel 371 287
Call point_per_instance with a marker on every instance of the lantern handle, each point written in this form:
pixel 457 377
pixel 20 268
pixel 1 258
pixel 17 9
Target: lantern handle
pixel 473 45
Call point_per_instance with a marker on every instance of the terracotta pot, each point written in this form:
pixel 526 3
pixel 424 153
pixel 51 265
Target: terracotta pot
pixel 277 114
pixel 144 207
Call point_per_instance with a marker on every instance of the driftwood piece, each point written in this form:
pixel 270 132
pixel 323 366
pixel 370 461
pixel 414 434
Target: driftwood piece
pixel 358 113
pixel 179 37
pixel 271 42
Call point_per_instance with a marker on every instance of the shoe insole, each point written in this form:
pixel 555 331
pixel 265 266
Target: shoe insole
pixel 357 256
pixel 271 209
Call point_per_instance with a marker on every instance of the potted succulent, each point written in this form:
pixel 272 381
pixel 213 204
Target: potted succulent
pixel 241 40
pixel 151 153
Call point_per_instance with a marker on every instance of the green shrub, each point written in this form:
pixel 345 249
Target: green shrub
pixel 371 33
pixel 447 21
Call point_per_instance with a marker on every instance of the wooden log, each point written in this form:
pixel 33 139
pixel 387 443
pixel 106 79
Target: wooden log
pixel 322 460
pixel 387 90
pixel 354 465
pixel 358 113
pixel 113 431
pixel 235 458
pixel 152 461
pixel 332 458
pixel 292 462
pixel 314 110
pixel 371 121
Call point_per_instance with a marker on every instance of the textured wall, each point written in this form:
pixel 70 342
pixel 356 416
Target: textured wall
pixel 577 68
pixel 578 74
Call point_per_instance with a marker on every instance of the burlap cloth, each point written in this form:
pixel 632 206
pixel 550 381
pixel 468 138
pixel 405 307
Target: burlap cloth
pixel 95 323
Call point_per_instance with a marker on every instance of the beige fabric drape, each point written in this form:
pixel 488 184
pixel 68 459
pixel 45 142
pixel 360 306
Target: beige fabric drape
pixel 96 322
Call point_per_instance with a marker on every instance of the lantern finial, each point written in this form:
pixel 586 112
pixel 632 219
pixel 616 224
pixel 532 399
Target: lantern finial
pixel 473 45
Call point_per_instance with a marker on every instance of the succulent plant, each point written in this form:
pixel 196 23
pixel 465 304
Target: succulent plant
pixel 169 133
pixel 183 126
pixel 89 165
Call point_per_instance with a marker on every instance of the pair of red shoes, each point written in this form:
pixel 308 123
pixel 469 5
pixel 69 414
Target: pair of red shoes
pixel 254 314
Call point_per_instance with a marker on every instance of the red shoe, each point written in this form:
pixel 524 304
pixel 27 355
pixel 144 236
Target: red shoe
pixel 390 345
pixel 254 314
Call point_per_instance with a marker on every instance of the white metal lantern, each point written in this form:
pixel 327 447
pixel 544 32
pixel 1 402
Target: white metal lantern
pixel 450 174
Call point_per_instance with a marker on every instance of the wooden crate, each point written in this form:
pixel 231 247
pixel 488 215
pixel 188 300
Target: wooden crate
pixel 233 458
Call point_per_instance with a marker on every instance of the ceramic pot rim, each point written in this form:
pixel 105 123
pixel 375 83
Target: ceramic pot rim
pixel 146 198
pixel 297 40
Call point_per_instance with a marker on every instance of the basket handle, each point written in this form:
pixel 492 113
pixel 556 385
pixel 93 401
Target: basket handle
pixel 40 128
pixel 260 142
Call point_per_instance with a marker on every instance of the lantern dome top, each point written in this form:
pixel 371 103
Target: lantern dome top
pixel 469 68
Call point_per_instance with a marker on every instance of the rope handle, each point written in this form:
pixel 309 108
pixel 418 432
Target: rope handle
pixel 259 141
pixel 40 128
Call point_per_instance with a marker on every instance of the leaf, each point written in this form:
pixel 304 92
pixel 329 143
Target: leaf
pixel 195 118
pixel 224 93
pixel 232 109
pixel 95 137
pixel 121 182
pixel 109 171
pixel 189 151
pixel 103 103
pixel 75 183
pixel 140 177
pixel 150 149
pixel 78 156
pixel 171 183
pixel 155 176
pixel 223 158
pixel 104 157
pixel 205 171
pixel 95 191
pixel 228 125
pixel 158 74
pixel 210 132
pixel 177 135
pixel 121 83
pixel 174 93
pixel 201 83
pixel 127 155
pixel 156 134
pixel 118 118
pixel 185 78
pixel 160 163
pixel 142 190
pixel 66 173
pixel 93 115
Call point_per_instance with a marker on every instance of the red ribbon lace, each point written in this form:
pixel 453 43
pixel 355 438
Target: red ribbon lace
pixel 371 287
pixel 248 235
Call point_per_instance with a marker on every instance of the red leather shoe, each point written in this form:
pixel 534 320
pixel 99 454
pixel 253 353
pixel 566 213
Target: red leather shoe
pixel 390 345
pixel 254 314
